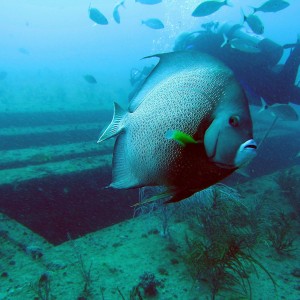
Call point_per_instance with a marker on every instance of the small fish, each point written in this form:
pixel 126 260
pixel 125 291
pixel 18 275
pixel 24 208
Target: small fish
pixel 281 111
pixel 242 45
pixel 24 51
pixel 90 79
pixel 254 23
pixel 153 23
pixel 208 7
pixel 149 2
pixel 3 75
pixel 187 128
pixel 116 14
pixel 272 6
pixel 96 16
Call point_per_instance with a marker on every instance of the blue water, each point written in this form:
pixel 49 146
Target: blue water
pixel 62 44
pixel 51 117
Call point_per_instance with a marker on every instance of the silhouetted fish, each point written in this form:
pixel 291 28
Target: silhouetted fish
pixel 272 6
pixel 150 2
pixel 153 23
pixel 3 75
pixel 23 51
pixel 96 16
pixel 208 7
pixel 243 45
pixel 90 79
pixel 255 23
pixel 282 111
pixel 116 14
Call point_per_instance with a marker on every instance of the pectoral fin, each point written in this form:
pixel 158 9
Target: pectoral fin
pixel 180 137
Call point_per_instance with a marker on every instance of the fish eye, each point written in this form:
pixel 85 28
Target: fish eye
pixel 234 121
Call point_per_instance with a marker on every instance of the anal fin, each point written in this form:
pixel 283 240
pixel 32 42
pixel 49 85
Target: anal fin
pixel 122 173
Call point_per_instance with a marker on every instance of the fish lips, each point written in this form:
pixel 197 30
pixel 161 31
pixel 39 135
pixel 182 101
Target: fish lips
pixel 246 152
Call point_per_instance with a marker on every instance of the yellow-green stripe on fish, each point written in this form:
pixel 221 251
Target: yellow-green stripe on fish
pixel 180 137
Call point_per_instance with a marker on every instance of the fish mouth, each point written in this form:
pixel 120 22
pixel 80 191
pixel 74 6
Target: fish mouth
pixel 249 145
pixel 245 153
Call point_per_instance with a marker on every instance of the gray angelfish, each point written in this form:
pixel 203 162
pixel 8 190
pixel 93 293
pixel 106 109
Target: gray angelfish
pixel 187 128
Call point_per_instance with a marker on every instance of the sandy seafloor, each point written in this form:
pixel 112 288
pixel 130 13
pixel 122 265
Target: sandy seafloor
pixel 117 256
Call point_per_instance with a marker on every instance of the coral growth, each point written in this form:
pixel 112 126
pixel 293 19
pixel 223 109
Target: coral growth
pixel 289 183
pixel 221 250
pixel 280 233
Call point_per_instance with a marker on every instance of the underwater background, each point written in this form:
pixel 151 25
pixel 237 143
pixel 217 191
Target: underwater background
pixel 63 235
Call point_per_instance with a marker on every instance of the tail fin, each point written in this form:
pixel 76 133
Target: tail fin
pixel 254 9
pixel 228 3
pixel 243 16
pixel 116 125
pixel 264 105
pixel 226 41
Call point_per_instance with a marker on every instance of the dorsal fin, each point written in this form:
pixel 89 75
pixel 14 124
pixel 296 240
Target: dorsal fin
pixel 115 126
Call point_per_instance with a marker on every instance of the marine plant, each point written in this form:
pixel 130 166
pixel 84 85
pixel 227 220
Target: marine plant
pixel 217 264
pixel 158 208
pixel 146 287
pixel 149 284
pixel 135 293
pixel 43 287
pixel 220 251
pixel 85 271
pixel 280 233
pixel 224 266
pixel 289 183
